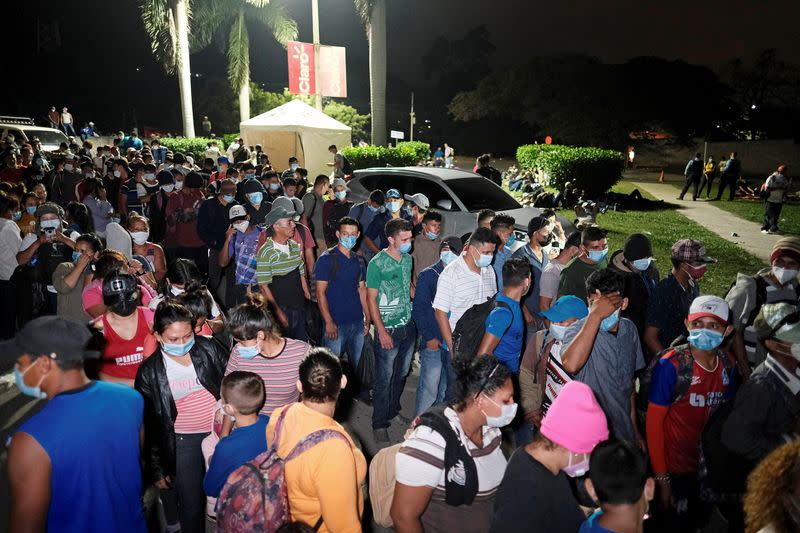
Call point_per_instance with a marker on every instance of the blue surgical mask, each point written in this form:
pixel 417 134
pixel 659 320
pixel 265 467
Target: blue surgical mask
pixel 393 207
pixel 447 257
pixel 75 255
pixel 274 186
pixel 249 352
pixel 348 241
pixel 31 209
pixel 595 256
pixel 294 166
pixel 558 331
pixel 610 321
pixel 27 390
pixel 177 350
pixel 431 235
pixel 255 197
pixel 16 215
pixel 642 264
pixel 228 198
pixel 372 209
pixel 705 339
pixel 405 248
pixel 340 195
pixel 483 260
pixel 511 239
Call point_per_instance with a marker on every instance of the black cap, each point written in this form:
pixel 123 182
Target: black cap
pixel 179 158
pixel 253 186
pixel 193 180
pixel 165 177
pixel 454 243
pixel 57 337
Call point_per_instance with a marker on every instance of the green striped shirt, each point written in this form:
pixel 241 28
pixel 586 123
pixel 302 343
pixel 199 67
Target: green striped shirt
pixel 271 262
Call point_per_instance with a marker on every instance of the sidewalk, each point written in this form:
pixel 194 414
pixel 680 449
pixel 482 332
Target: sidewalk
pixel 728 226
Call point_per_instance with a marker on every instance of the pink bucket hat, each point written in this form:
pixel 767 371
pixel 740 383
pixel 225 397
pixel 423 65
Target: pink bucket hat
pixel 575 421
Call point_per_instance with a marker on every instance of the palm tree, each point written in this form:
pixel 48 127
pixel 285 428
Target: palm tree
pixel 167 25
pixel 373 16
pixel 212 17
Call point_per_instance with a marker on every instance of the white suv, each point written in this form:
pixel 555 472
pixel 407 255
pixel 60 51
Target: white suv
pixel 24 130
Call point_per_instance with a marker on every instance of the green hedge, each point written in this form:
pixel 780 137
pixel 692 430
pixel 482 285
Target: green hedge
pixel 196 147
pixel 228 138
pixel 594 170
pixel 404 155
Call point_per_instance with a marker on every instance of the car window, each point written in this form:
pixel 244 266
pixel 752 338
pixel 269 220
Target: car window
pixel 478 193
pixel 385 182
pixel 48 136
pixel 18 138
pixel 433 191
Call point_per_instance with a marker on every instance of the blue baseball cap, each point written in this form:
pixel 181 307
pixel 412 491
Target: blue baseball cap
pixel 565 308
pixel 222 159
pixel 393 193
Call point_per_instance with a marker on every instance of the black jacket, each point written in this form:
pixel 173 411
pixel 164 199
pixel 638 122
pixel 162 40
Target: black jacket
pixel 213 222
pixel 638 287
pixel 209 358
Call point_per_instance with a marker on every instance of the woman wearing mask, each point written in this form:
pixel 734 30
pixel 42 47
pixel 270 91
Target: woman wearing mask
pixel 197 300
pixel 70 277
pixel 180 384
pixel 157 207
pixel 426 495
pixel 107 262
pixel 261 350
pixel 98 205
pixel 535 490
pixel 324 482
pixel 139 228
pixel 182 239
pixel 27 220
pixel 126 328
pixel 182 276
pixel 78 219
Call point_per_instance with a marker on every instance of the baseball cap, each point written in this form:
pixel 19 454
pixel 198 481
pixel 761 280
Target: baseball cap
pixel 689 251
pixel 709 306
pixel 637 246
pixel 252 186
pixel 454 243
pixel 779 321
pixel 237 211
pixel 222 159
pixel 278 213
pixel 165 177
pixel 393 194
pixel 575 420
pixel 419 200
pixel 58 337
pixel 565 308
pixel 119 283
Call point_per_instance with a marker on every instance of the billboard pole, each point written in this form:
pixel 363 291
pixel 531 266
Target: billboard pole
pixel 315 30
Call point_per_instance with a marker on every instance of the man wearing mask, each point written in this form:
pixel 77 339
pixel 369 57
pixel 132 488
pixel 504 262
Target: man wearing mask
pixel 67 122
pixel 635 263
pixel 375 236
pixel 241 246
pixel 157 208
pixel 427 243
pixel 293 165
pixel 593 257
pixel 693 173
pixel 54 118
pixel 212 224
pixel 433 360
pixel 389 300
pixel 503 228
pixel 272 185
pixel 364 213
pixel 603 351
pixel 312 209
pixel 222 164
pixel 539 236
pixel 551 275
pixel 255 203
pixel 777 283
pixel 670 301
pixel 416 205
pixel 73 437
pixel 467 281
pixel 334 209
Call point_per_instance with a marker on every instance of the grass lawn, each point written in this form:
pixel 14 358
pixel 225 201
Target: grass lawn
pixel 666 225
pixel 753 210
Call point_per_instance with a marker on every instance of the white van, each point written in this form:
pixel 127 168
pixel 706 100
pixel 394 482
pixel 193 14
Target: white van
pixel 24 130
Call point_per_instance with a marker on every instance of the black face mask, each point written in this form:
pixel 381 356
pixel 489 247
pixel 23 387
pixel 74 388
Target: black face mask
pixel 124 307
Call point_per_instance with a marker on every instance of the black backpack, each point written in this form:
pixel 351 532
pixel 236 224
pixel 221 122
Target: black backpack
pixel 723 473
pixel 471 327
pixel 347 167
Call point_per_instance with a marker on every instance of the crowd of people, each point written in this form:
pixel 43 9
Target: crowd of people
pixel 207 316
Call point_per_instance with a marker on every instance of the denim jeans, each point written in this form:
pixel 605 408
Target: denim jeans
pixel 391 369
pixel 191 469
pixel 432 379
pixel 350 340
pixel 297 323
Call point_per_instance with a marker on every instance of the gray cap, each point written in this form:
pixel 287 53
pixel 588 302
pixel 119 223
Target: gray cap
pixel 278 213
pixel 419 200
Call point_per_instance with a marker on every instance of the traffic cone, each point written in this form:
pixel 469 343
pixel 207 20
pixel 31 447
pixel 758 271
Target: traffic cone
pixel 661 177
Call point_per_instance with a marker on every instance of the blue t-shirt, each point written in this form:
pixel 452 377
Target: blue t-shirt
pixel 241 446
pixel 508 326
pixel 591 525
pixel 91 436
pixel 342 292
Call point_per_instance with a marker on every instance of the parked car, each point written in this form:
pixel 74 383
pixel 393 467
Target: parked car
pixel 457 194
pixel 24 130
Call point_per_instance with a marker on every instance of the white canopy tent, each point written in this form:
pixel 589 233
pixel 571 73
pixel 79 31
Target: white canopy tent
pixel 296 129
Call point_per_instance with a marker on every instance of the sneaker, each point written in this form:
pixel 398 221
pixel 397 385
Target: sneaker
pixel 380 435
pixel 773 232
pixel 764 231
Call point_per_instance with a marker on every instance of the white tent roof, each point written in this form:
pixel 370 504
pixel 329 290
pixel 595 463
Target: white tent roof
pixel 295 116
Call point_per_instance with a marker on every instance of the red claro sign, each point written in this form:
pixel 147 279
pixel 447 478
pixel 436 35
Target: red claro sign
pixel 301 68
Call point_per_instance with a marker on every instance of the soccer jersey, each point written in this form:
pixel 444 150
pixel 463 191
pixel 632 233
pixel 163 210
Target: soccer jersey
pixel 688 414
pixel 392 279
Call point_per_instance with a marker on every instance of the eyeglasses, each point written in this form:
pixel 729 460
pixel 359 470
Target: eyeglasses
pixel 486 381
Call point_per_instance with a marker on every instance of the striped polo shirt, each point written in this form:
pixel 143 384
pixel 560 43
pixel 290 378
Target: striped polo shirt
pixel 272 262
pixel 459 288
pixel 195 404
pixel 420 463
pixel 280 372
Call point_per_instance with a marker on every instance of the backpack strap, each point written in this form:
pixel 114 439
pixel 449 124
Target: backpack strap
pixel 761 298
pixel 278 427
pixel 361 207
pixel 312 439
pixel 685 370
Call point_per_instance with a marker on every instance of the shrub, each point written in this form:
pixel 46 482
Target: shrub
pixel 228 138
pixel 195 147
pixel 382 156
pixel 422 150
pixel 594 170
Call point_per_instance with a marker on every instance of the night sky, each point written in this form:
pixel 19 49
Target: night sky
pixel 94 70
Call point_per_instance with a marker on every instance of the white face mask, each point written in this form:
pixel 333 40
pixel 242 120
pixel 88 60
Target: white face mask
pixel 175 290
pixel 507 414
pixel 783 275
pixel 149 177
pixel 117 173
pixel 241 226
pixel 557 331
pixel 140 237
pixel 68 168
pixel 178 185
pixel 168 188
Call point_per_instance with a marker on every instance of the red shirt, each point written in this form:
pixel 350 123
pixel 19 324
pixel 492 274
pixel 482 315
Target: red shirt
pixel 122 357
pixel 183 233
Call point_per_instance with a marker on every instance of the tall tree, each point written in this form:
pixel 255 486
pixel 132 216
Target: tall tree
pixel 373 15
pixel 167 24
pixel 214 18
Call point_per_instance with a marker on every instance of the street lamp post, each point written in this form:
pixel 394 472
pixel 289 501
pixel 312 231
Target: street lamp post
pixel 315 30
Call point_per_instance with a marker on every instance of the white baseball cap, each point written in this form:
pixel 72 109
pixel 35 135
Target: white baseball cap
pixel 709 306
pixel 237 211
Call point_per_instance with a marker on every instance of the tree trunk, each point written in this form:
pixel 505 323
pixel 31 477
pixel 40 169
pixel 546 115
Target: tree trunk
pixel 184 69
pixel 244 100
pixel 377 71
